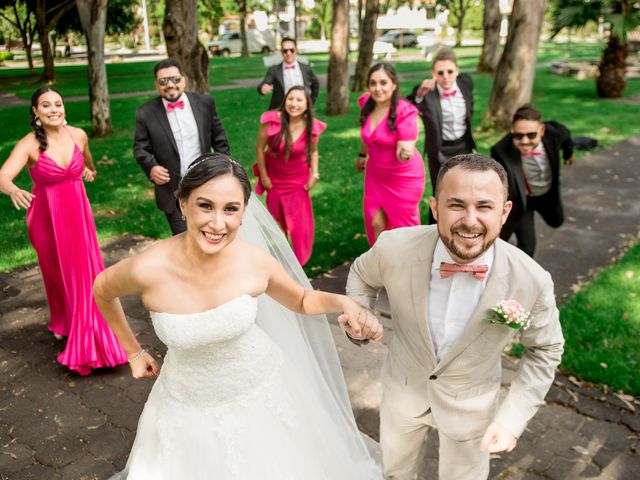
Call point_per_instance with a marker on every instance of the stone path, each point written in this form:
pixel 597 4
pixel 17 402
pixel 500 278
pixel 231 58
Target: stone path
pixel 57 425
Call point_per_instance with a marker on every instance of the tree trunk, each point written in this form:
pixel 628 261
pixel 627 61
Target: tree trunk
pixel 490 55
pixel 180 29
pixel 93 17
pixel 242 7
pixel 338 74
pixel 516 71
pixel 48 74
pixel 46 19
pixel 367 38
pixel 612 81
pixel 360 19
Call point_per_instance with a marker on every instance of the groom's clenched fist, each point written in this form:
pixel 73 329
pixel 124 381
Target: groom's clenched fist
pixel 497 439
pixel 361 324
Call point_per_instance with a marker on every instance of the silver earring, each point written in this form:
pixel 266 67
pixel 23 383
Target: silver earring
pixel 38 122
pixel 183 218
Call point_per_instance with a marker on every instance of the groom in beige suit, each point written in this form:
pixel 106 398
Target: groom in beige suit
pixel 443 367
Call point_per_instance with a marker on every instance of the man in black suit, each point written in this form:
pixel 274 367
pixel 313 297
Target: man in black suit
pixel 289 73
pixel 445 103
pixel 530 154
pixel 172 131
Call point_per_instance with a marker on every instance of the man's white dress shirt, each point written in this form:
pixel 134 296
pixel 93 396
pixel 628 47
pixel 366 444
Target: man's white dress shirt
pixel 452 300
pixel 291 76
pixel 185 132
pixel 537 171
pixel 454 113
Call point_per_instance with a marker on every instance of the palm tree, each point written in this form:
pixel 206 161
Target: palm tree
pixel 622 16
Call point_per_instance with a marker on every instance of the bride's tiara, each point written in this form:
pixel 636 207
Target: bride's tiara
pixel 210 157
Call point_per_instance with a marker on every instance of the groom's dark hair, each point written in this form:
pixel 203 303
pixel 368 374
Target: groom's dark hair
pixel 477 163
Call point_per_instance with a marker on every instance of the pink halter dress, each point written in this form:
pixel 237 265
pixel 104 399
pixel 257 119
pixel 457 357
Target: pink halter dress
pixel 62 230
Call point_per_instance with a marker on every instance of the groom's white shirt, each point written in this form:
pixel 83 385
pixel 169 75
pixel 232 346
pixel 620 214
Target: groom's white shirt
pixel 452 300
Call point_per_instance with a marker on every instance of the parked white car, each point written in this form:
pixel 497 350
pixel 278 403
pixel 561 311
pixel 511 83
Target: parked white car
pixel 229 42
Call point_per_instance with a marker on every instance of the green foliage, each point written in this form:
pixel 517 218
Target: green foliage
pixel 5 56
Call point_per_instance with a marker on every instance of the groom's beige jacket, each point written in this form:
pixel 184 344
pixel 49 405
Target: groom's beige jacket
pixel 463 389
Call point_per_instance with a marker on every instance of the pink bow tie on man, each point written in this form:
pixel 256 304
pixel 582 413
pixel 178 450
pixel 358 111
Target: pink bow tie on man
pixel 449 94
pixel 290 67
pixel 172 106
pixel 532 154
pixel 476 271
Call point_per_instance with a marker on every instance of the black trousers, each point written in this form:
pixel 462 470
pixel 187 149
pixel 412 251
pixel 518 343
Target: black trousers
pixel 521 221
pixel 176 223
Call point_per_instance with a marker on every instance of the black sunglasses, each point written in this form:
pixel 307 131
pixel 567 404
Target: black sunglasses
pixel 288 50
pixel 529 135
pixel 164 81
pixel 442 72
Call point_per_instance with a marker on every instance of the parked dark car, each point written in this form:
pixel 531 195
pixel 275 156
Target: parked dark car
pixel 400 38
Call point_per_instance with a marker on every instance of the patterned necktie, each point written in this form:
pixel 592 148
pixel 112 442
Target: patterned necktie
pixel 290 67
pixel 532 154
pixel 449 94
pixel 172 106
pixel 476 271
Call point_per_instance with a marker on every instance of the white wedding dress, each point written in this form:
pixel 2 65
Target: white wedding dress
pixel 240 399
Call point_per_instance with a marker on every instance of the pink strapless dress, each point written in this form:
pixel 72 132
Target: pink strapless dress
pixel 288 201
pixel 63 233
pixel 390 185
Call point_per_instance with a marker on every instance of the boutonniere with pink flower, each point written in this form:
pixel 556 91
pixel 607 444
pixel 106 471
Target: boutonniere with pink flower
pixel 511 314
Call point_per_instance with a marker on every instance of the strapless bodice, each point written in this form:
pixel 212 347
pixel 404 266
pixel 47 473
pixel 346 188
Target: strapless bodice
pixel 215 356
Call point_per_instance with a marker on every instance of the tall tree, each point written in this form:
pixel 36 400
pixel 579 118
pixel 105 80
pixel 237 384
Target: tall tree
pixel 622 16
pixel 367 39
pixel 93 17
pixel 517 68
pixel 48 12
pixel 491 20
pixel 457 11
pixel 21 16
pixel 180 29
pixel 338 74
pixel 242 7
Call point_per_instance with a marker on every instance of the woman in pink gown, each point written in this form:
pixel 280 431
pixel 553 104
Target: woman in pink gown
pixel 287 167
pixel 394 170
pixel 62 231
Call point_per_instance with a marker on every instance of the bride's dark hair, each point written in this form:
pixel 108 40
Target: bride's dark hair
pixel 209 166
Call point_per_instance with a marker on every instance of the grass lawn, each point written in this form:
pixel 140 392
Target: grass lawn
pixel 601 326
pixel 122 198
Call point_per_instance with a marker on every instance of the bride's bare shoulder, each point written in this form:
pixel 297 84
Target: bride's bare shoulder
pixel 155 261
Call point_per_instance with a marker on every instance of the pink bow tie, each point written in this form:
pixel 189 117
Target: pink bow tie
pixel 449 94
pixel 532 154
pixel 290 67
pixel 476 271
pixel 172 106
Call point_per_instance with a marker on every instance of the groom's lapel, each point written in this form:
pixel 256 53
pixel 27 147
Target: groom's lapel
pixel 420 278
pixel 495 291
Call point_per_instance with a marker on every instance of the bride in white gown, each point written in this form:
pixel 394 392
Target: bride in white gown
pixel 248 389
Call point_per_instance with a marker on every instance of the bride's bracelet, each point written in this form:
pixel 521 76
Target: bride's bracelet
pixel 137 355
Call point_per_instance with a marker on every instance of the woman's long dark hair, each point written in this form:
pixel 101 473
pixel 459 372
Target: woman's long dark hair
pixel 41 135
pixel 395 96
pixel 284 134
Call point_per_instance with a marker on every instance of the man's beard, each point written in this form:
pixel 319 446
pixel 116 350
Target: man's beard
pixel 449 242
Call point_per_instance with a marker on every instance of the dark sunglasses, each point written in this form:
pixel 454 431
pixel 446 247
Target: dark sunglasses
pixel 442 72
pixel 288 50
pixel 164 81
pixel 529 135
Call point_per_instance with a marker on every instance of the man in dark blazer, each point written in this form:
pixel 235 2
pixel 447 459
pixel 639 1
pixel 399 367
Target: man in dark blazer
pixel 172 131
pixel 530 154
pixel 445 103
pixel 280 78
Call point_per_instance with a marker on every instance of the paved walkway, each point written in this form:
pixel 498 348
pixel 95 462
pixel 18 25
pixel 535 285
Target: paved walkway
pixel 57 425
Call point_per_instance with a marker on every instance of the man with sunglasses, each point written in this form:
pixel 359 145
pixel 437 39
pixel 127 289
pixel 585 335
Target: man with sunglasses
pixel 289 73
pixel 445 103
pixel 530 154
pixel 172 130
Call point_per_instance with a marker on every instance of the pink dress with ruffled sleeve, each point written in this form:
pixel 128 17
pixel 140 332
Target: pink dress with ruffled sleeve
pixel 391 185
pixel 288 201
